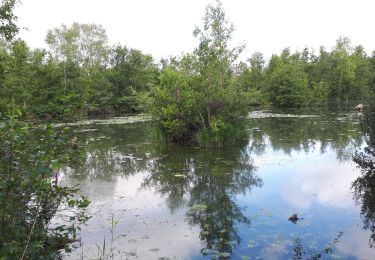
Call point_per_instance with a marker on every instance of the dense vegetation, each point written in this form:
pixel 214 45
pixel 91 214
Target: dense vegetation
pixel 38 216
pixel 80 70
pixel 197 98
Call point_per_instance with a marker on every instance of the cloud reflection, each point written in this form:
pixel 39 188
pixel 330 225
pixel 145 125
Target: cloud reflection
pixel 326 183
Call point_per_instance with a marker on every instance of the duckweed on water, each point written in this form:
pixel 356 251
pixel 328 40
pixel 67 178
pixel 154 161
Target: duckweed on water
pixel 265 114
pixel 110 121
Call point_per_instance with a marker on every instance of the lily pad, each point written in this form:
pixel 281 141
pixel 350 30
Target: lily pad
pixel 252 243
pixel 199 207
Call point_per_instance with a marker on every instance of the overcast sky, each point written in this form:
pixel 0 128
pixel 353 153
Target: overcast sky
pixel 164 27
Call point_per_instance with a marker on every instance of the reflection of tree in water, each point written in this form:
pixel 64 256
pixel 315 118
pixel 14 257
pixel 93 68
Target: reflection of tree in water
pixel 364 186
pixel 302 134
pixel 115 150
pixel 207 181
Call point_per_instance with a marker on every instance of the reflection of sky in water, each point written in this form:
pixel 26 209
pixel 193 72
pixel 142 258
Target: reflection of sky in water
pixel 313 184
pixel 145 228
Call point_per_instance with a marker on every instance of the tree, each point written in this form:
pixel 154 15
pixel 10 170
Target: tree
pixel 8 26
pixel 15 75
pixel 251 79
pixel 31 154
pixel 132 75
pixel 214 57
pixel 82 44
pixel 213 118
pixel 286 81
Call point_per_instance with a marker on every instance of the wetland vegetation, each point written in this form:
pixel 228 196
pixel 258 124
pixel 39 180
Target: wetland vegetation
pixel 217 154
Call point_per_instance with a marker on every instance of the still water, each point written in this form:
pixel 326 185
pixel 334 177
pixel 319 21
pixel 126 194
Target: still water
pixel 185 202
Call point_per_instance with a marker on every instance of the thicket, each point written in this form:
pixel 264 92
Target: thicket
pixel 38 215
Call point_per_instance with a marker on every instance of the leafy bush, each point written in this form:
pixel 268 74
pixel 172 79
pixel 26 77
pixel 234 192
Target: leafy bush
pixel 38 216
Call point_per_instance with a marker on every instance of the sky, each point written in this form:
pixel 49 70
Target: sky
pixel 164 28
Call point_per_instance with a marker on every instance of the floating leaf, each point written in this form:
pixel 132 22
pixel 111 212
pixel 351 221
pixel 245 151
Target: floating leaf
pixel 199 207
pixel 252 243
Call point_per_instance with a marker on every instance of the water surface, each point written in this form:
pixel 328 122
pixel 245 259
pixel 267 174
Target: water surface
pixel 185 202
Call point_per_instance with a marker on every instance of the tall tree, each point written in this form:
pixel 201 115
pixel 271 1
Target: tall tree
pixel 286 81
pixel 82 44
pixel 132 75
pixel 214 57
pixel 197 98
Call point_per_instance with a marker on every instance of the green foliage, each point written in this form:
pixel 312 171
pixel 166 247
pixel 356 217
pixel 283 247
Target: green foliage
pixel 197 99
pixel 38 216
pixel 175 106
pixel 82 44
pixel 132 76
pixel 221 134
pixel 51 86
pixel 319 92
pixel 251 80
pixel 8 26
pixel 346 74
pixel 286 82
pixel 81 72
pixel 345 71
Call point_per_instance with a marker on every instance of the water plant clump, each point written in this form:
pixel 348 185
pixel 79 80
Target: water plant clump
pixel 197 99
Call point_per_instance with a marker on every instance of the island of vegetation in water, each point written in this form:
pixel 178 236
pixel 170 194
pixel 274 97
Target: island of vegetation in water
pixel 201 97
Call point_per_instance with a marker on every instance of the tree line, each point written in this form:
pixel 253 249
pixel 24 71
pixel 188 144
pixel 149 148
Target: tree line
pixel 79 71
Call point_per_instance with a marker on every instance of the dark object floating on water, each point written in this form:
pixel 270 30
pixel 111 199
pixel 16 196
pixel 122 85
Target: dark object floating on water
pixel 293 218
pixel 359 107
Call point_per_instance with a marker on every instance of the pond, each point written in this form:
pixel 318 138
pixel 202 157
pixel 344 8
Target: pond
pixel 157 201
